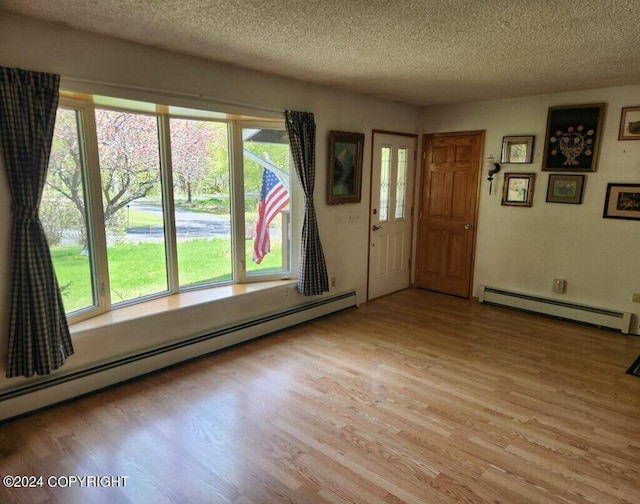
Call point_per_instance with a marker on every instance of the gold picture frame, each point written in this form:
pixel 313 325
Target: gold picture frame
pixel 573 138
pixel 518 189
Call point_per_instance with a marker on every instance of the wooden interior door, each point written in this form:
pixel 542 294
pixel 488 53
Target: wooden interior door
pixel 448 210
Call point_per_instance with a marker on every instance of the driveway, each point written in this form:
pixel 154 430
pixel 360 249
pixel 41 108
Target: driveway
pixel 189 225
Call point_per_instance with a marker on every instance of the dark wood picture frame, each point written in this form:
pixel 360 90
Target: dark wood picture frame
pixel 622 201
pixel 517 149
pixel 573 137
pixel 518 189
pixel 629 124
pixel 344 178
pixel 565 188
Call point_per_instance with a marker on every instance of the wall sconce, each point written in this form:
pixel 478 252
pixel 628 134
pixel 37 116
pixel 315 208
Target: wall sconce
pixel 492 168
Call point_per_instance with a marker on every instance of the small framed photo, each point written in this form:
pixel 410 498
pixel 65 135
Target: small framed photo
pixel 572 138
pixel 565 189
pixel 344 182
pixel 517 149
pixel 629 124
pixel 622 201
pixel 518 189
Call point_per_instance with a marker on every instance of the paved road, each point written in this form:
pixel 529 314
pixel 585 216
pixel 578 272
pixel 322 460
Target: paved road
pixel 189 225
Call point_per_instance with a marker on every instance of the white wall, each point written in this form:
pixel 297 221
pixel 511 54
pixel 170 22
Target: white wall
pixel 518 248
pixel 524 249
pixel 80 56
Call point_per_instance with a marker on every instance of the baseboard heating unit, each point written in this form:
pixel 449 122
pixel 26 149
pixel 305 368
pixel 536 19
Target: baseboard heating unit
pixel 600 317
pixel 76 383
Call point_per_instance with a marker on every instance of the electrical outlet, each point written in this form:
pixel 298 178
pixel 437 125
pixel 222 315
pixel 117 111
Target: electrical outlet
pixel 333 281
pixel 559 285
pixel 635 298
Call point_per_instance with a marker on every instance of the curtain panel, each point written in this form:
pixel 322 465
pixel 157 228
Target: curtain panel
pixel 39 339
pixel 312 274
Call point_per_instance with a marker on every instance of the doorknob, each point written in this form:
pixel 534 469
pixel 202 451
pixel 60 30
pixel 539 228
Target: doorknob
pixel 375 228
pixel 468 226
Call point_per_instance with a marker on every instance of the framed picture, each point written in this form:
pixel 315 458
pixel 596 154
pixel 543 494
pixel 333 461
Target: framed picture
pixel 517 149
pixel 629 124
pixel 518 189
pixel 565 189
pixel 572 138
pixel 622 202
pixel 344 182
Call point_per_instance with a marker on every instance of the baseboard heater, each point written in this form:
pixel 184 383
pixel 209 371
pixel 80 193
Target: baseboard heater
pixel 555 308
pixel 76 383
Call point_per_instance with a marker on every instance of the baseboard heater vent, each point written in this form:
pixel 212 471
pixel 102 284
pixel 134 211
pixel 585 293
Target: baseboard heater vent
pixel 555 308
pixel 56 389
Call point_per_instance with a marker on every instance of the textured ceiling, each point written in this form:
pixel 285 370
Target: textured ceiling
pixel 417 52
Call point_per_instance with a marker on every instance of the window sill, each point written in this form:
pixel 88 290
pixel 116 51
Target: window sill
pixel 175 302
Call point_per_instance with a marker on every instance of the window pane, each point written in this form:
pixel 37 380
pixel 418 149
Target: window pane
pixel 132 198
pixel 401 183
pixel 200 160
pixel 266 158
pixel 63 215
pixel 385 169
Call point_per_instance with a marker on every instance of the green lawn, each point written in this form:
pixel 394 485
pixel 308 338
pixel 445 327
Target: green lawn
pixel 138 219
pixel 137 270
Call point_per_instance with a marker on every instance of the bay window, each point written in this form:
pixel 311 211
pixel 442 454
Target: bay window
pixel 145 200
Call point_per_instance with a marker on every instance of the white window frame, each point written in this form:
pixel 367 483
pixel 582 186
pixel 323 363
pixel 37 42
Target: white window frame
pixel 85 111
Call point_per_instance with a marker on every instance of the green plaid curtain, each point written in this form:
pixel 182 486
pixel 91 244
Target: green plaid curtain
pixel 39 339
pixel 312 274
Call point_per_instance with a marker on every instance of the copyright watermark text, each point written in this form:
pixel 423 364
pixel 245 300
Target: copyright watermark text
pixel 15 481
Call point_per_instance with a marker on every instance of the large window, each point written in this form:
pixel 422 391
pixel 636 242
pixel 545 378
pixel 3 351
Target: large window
pixel 201 195
pixel 63 212
pixel 144 200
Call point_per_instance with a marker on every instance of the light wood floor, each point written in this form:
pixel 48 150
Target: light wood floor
pixel 415 397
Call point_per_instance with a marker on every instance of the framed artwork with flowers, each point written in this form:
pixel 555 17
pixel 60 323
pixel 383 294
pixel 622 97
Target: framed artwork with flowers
pixel 572 138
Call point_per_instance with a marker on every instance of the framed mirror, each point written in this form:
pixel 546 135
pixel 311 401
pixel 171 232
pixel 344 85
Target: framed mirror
pixel 517 149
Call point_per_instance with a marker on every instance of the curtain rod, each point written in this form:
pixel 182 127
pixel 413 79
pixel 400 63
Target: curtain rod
pixel 169 94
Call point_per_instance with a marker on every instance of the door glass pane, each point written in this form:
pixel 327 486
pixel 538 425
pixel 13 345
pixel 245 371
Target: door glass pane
pixel 266 159
pixel 64 217
pixel 401 183
pixel 200 161
pixel 132 199
pixel 385 169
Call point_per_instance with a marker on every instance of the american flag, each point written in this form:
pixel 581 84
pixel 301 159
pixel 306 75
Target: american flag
pixel 274 196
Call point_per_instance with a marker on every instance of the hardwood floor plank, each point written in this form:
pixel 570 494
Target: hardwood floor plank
pixel 415 397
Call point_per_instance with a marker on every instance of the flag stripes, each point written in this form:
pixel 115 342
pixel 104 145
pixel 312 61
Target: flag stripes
pixel 274 197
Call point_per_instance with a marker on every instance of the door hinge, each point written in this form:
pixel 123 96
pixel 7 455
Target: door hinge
pixel 415 155
pixel 409 263
pixel 411 211
pixel 424 155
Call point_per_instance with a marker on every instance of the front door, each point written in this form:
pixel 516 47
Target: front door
pixel 448 208
pixel 390 220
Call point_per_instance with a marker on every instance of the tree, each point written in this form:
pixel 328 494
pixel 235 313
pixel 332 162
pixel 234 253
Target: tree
pixel 129 157
pixel 195 155
pixel 65 172
pixel 128 153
